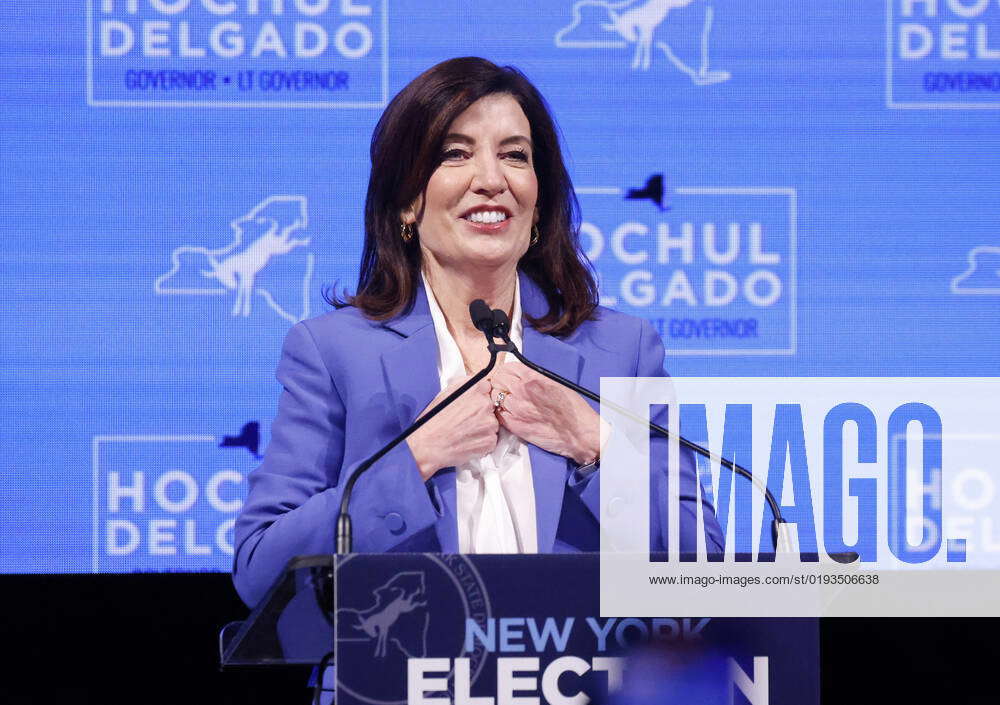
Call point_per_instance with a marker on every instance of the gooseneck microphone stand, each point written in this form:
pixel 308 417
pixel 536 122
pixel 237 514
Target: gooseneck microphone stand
pixel 482 318
pixel 501 328
pixel 495 324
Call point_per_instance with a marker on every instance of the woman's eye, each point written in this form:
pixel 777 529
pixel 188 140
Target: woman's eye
pixel 517 155
pixel 452 154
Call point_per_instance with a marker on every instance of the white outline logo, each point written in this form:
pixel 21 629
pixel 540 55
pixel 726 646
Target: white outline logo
pixel 977 278
pixel 637 23
pixel 236 266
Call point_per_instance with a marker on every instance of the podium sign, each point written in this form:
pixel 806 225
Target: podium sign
pixel 491 629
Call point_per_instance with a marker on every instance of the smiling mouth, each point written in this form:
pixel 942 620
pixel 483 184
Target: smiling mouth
pixel 487 217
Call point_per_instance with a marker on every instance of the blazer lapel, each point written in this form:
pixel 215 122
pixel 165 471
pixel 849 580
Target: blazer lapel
pixel 549 471
pixel 411 379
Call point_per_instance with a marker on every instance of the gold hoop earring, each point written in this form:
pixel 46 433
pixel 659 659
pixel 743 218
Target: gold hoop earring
pixel 406 231
pixel 535 236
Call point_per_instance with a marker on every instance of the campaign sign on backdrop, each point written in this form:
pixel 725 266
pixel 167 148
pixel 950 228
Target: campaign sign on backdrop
pixel 943 53
pixel 169 502
pixel 714 269
pixel 262 53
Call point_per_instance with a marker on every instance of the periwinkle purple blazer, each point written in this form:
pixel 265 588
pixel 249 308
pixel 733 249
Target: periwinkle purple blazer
pixel 352 384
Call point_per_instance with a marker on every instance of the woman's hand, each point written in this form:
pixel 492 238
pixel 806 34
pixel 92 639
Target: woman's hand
pixel 465 429
pixel 546 414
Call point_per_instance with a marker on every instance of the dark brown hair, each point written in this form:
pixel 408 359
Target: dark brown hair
pixel 405 152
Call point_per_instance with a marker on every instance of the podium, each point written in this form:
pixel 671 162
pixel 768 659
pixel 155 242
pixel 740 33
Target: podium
pixel 439 628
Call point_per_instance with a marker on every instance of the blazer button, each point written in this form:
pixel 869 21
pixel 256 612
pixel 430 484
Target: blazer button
pixel 395 523
pixel 615 506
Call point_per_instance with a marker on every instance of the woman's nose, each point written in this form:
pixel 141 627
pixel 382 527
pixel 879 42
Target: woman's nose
pixel 488 178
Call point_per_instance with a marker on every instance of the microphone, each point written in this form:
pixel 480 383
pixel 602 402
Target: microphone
pixel 501 329
pixel 483 319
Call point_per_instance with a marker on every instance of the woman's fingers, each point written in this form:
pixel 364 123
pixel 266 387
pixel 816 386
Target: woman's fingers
pixel 506 385
pixel 465 429
pixel 544 413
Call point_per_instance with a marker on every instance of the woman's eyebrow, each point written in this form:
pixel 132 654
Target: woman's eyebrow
pixel 516 139
pixel 465 139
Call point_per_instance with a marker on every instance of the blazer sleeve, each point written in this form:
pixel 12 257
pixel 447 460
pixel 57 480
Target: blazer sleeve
pixel 294 495
pixel 649 363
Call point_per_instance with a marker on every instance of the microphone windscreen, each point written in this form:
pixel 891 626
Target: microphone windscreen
pixel 482 317
pixel 500 319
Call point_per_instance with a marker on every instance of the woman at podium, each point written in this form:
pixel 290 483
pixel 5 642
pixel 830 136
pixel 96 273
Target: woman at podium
pixel 468 199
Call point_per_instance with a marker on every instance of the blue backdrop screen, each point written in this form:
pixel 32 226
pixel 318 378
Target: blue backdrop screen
pixel 783 188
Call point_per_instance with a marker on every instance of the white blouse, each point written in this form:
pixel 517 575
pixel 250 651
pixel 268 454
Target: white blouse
pixel 495 495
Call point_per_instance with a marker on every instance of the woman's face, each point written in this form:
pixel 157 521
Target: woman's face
pixel 480 203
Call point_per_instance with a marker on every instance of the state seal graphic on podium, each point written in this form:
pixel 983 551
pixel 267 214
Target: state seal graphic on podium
pixel 408 606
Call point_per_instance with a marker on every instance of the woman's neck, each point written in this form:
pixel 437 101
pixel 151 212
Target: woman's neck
pixel 454 291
